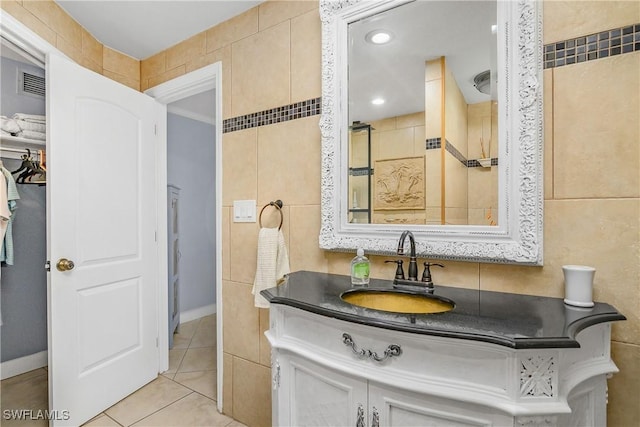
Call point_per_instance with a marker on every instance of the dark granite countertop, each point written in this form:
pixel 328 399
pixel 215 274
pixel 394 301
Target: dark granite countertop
pixel 512 320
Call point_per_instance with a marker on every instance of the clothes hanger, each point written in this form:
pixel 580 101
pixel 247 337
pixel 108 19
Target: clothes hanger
pixel 28 169
pixel 33 168
pixel 42 155
pixel 37 170
pixel 25 159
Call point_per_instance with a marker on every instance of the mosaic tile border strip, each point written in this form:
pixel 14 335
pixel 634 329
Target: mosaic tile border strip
pixel 603 44
pixel 593 46
pixel 476 163
pixel 298 110
pixel 433 143
pixel 455 153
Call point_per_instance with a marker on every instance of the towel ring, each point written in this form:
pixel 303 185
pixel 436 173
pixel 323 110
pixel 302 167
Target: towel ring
pixel 278 205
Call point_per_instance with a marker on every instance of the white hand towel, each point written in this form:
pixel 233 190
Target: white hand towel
pixel 272 265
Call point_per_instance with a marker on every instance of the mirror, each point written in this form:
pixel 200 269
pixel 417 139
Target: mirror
pixel 414 78
pixel 458 166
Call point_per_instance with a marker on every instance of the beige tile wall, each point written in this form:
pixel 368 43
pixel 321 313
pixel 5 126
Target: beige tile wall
pixel 483 182
pixel 593 219
pixel 456 181
pixel 53 24
pixel 394 138
pixel 270 57
pixel 433 89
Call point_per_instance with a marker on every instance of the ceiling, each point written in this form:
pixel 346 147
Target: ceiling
pixel 201 107
pixel 141 29
pixel 395 71
pixel 423 30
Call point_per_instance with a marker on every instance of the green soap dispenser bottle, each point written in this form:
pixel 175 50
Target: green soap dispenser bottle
pixel 360 266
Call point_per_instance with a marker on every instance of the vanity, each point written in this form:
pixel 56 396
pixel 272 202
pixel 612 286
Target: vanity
pixel 432 124
pixel 495 359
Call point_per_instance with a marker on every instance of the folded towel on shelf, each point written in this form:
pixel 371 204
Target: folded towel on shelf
pixel 30 134
pixel 32 126
pixel 272 265
pixel 9 125
pixel 35 118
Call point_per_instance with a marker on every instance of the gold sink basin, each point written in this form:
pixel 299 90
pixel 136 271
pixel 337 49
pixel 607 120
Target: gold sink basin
pixel 397 301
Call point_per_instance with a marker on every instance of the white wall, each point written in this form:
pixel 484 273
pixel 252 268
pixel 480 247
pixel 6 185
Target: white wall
pixel 12 101
pixel 191 166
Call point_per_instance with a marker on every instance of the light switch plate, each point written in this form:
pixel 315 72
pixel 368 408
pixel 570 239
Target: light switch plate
pixel 244 211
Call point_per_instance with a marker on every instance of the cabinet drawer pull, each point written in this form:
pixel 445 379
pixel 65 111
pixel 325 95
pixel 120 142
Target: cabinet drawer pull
pixel 360 420
pixel 375 419
pixel 391 351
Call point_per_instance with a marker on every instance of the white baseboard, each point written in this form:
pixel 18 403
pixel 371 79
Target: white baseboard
pixel 18 366
pixel 196 313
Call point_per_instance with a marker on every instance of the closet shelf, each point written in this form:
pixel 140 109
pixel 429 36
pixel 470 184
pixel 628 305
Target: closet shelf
pixel 13 147
pixel 17 142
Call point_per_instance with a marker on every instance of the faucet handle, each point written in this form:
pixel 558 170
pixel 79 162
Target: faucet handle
pixel 426 275
pixel 399 269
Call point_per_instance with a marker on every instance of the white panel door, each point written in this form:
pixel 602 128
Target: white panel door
pixel 101 210
pixel 321 397
pixel 397 408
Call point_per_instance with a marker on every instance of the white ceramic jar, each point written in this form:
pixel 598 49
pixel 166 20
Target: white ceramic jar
pixel 578 285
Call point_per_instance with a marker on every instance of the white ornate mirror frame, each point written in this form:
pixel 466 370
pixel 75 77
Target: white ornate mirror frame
pixel 517 238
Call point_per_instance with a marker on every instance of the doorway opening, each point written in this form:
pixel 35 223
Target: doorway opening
pixel 23 282
pixel 192 160
pixel 39 48
pixel 191 234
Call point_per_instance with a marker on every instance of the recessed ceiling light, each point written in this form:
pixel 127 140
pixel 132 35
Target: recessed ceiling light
pixel 377 101
pixel 379 36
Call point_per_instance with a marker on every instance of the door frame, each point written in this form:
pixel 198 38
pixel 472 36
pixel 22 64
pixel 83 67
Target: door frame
pixel 36 48
pixel 200 80
pixel 19 34
pixel 23 37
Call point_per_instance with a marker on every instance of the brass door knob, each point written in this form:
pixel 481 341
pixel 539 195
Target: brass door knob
pixel 64 264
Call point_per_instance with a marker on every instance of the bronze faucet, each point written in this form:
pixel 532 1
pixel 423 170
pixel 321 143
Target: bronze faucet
pixel 413 265
pixel 412 277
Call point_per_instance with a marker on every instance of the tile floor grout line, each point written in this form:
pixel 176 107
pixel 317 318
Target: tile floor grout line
pixel 106 415
pixel 43 371
pixel 180 364
pixel 195 391
pixel 164 407
pixel 157 410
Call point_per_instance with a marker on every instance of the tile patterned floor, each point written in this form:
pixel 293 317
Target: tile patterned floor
pixel 185 395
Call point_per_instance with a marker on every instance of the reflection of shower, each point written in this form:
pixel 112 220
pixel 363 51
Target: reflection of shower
pixel 360 174
pixel 482 82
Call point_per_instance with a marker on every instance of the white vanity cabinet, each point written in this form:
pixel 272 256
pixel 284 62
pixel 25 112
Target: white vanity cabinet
pixel 309 394
pixel 320 380
pixel 317 396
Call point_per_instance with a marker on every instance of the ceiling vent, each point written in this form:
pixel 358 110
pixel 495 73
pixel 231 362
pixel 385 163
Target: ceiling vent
pixel 31 84
pixel 482 82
